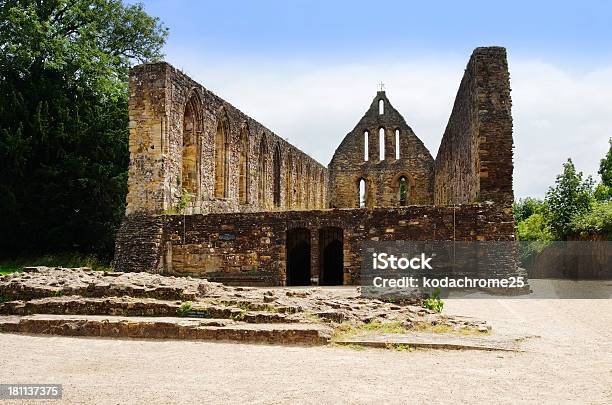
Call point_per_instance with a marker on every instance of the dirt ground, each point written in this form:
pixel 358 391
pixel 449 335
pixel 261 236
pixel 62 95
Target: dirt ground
pixel 569 362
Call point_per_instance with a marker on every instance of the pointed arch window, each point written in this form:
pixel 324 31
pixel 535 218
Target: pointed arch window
pixel 403 191
pixel 276 176
pixel 362 193
pixel 221 158
pixel 397 144
pixel 381 143
pixel 262 171
pixel 191 129
pixel 243 180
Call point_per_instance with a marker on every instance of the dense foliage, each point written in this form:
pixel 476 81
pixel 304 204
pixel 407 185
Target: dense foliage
pixel 573 207
pixel 598 221
pixel 63 120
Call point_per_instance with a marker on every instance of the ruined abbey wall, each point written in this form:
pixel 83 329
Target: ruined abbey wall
pixel 359 158
pixel 251 248
pixel 474 162
pixel 193 152
pixel 256 209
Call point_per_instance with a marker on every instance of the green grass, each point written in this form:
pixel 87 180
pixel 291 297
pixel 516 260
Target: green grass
pixel 441 328
pixel 348 330
pixel 53 260
pixel 185 308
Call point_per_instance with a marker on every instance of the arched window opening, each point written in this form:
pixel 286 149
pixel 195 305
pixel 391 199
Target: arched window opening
pixel 262 171
pixel 276 176
pixel 362 193
pixel 403 191
pixel 365 146
pixel 243 180
pixel 307 188
pixel 397 144
pixel 189 172
pixel 298 184
pixel 381 107
pixel 221 159
pixel 381 143
pixel 323 198
pixel 289 181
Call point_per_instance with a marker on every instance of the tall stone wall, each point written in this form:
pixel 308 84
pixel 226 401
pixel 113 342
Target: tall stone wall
pixel 474 162
pixel 192 150
pixel 349 166
pixel 250 248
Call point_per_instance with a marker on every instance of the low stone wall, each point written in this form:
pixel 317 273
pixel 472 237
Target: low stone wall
pixel 250 248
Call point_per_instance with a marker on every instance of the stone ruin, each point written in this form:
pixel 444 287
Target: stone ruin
pixel 215 194
pixel 82 302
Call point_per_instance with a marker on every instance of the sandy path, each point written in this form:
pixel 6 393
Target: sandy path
pixel 570 362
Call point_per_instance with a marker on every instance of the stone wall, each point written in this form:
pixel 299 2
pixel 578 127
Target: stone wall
pixel 348 165
pixel 474 162
pixel 190 148
pixel 244 190
pixel 250 248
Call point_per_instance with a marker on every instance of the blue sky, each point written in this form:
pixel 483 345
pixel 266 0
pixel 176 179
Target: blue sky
pixel 309 69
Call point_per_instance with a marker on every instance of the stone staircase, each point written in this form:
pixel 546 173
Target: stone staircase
pixel 82 302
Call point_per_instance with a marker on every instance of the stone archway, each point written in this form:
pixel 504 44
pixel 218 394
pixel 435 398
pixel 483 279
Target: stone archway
pixel 331 256
pixel 298 257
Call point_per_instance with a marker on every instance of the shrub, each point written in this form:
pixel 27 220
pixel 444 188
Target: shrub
pixel 434 302
pixel 598 221
pixel 185 308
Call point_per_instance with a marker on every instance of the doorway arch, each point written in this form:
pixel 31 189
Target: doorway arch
pixel 331 256
pixel 298 256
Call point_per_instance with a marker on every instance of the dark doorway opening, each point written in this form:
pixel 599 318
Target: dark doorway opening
pixel 298 256
pixel 331 256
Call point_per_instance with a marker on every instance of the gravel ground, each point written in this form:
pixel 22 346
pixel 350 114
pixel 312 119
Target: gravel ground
pixel 569 362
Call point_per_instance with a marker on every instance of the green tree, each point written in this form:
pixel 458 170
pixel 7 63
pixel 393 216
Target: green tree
pixel 570 196
pixel 63 119
pixel 603 191
pixel 598 221
pixel 526 207
pixel 605 167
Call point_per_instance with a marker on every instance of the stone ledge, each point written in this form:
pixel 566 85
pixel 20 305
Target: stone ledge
pixel 436 341
pixel 167 328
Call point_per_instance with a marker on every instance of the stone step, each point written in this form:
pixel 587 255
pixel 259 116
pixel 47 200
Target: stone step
pixel 167 328
pixel 40 282
pixel 436 341
pixel 131 307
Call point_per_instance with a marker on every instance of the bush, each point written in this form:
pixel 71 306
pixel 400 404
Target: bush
pixel 534 228
pixel 185 308
pixel 597 221
pixel 434 302
pixel 526 207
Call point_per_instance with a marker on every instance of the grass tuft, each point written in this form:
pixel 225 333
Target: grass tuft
pixel 348 330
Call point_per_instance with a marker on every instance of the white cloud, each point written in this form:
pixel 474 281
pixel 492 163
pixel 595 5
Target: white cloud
pixel 557 114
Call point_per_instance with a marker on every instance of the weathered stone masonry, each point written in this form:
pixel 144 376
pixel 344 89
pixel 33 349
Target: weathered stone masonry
pixel 474 162
pixel 273 229
pixel 188 145
pixel 251 248
pixel 358 158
